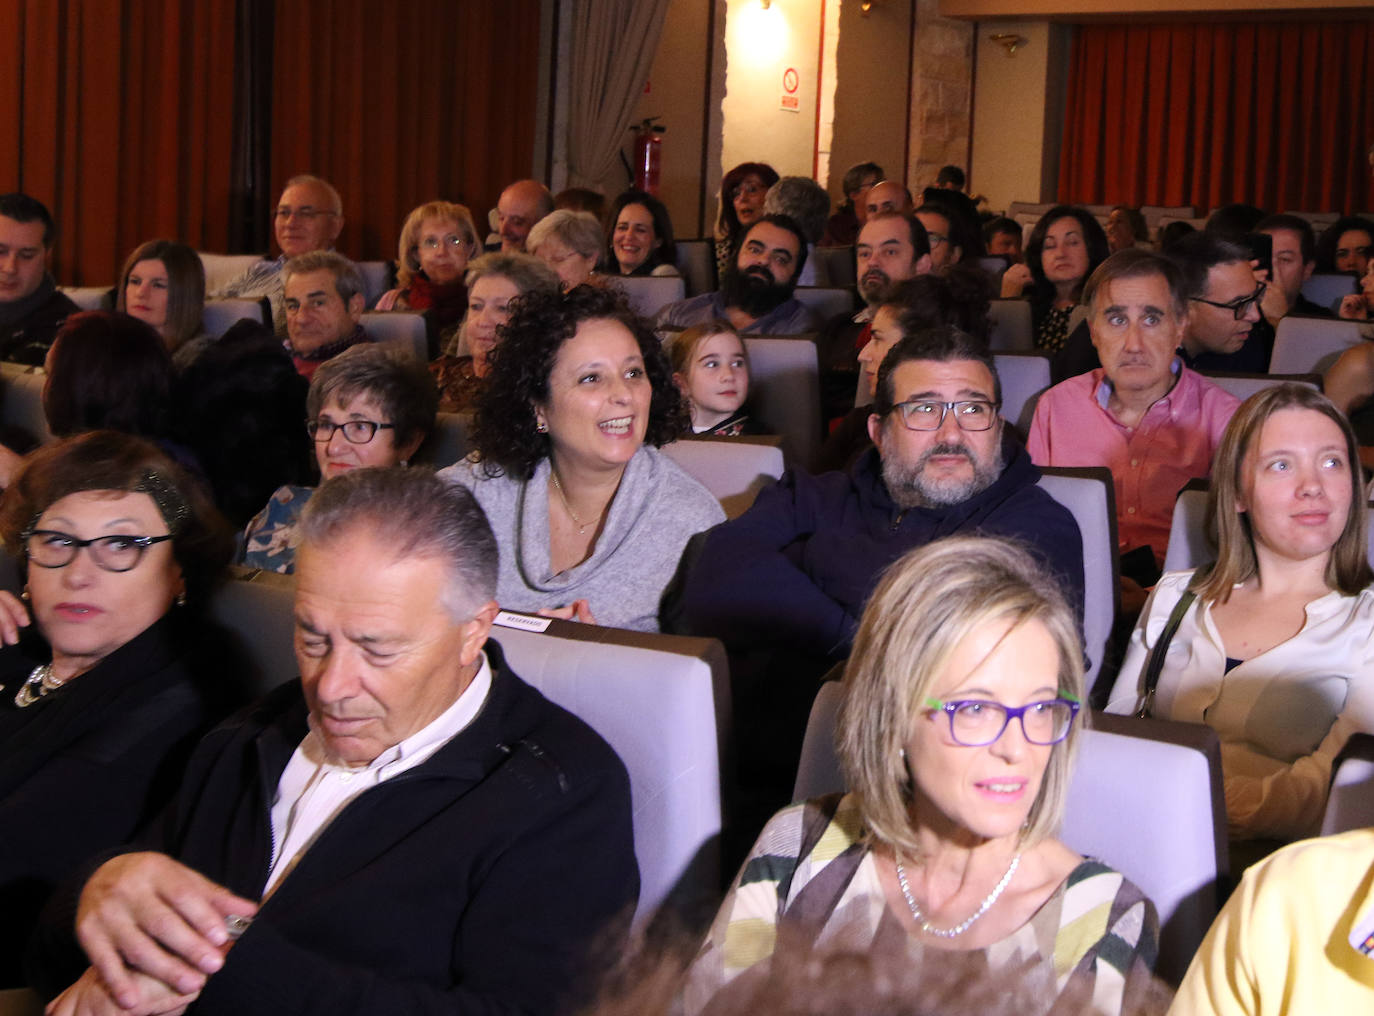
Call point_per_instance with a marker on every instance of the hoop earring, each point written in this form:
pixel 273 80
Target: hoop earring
pixel 181 598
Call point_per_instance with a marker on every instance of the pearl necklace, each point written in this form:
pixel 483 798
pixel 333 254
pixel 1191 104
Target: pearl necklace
pixel 41 681
pixel 964 926
pixel 581 526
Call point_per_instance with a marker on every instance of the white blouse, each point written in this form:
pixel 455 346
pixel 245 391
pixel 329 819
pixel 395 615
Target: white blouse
pixel 1282 716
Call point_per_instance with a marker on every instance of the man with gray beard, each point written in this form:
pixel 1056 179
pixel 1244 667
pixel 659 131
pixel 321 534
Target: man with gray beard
pixel 796 569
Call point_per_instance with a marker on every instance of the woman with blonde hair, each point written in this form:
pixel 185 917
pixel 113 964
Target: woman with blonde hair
pixel 1273 645
pixel 437 241
pixel 957 738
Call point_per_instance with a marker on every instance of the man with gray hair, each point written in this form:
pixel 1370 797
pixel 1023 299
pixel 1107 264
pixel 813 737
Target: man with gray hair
pixel 308 217
pixel 410 828
pixel 324 308
pixel 807 203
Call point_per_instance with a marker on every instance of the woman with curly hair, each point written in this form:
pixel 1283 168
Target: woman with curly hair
pixel 591 519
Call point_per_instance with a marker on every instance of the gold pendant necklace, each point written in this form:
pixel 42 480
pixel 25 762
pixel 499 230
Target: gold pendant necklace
pixel 581 526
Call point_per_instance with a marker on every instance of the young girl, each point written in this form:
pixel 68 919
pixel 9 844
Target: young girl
pixel 711 366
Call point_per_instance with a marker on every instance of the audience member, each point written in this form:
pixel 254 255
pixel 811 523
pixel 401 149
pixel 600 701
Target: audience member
pixel 1273 645
pixel 368 407
pixel 162 284
pixel 965 229
pixel 1126 228
pixel 741 205
pixel 104 692
pixel 1360 306
pixel 1144 415
pixel 239 409
pixel 950 178
pixel 755 293
pixel 581 199
pixel 640 236
pixel 1002 236
pixel 308 218
pixel 1346 245
pixel 945 843
pixel 437 241
pixel 31 306
pixel 493 281
pixel 1234 222
pixel 1225 329
pixel 323 295
pixel 1294 261
pixel 497 848
pixel 796 569
pixel 959 298
pixel 1297 936
pixel 1065 247
pixel 570 243
pixel 591 519
pixel 842 228
pixel 711 366
pixel 1171 233
pixel 520 206
pixel 807 204
pixel 889 196
pixel 945 250
pixel 891 249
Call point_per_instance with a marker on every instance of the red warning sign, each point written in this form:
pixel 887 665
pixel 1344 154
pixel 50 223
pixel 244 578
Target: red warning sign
pixel 790 81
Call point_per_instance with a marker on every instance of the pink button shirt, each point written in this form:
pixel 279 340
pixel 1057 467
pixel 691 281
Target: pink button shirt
pixel 1150 463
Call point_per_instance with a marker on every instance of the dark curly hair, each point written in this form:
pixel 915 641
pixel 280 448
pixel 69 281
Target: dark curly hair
pixel 504 431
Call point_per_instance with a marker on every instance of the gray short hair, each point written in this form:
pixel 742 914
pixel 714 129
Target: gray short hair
pixel 304 179
pixel 348 281
pixel 420 515
pixel 804 200
pixel 579 231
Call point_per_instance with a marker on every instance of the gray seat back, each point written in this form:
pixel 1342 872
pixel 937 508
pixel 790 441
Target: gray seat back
pixel 449 442
pixel 401 330
pixel 834 266
pixel 648 294
pixel 21 400
pixel 1024 376
pixel 1011 327
pixel 1311 345
pixel 733 469
pixel 826 301
pixel 88 297
pixel 785 393
pixel 1326 290
pixel 696 260
pixel 221 315
pixel 376 275
pixel 1242 386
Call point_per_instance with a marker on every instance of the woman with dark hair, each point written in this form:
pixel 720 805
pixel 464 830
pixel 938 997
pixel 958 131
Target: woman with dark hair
pixel 162 284
pixel 742 191
pixel 367 407
pixel 108 371
pixel 1346 245
pixel 1065 247
pixel 639 236
pixel 1273 645
pixel 591 519
pixel 104 693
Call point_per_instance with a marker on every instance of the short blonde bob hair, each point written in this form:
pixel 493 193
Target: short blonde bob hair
pixel 408 250
pixel 578 231
pixel 927 603
pixel 1347 567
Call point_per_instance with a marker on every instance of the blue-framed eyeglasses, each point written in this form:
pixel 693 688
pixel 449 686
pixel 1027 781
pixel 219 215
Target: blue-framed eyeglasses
pixel 976 722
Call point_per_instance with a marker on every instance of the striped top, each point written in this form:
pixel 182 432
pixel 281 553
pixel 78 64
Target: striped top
pixel 1097 935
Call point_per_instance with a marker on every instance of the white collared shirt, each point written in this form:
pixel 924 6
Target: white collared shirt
pixel 312 790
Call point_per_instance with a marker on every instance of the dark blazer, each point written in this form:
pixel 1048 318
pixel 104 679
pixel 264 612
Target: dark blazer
pixel 476 882
pixel 82 769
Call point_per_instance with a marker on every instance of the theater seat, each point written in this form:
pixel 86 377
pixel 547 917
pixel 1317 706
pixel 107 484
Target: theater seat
pixel 221 315
pixel 696 260
pixel 402 330
pixel 1350 804
pixel 1024 376
pixel 1011 326
pixel 785 393
pixel 1146 798
pixel 1326 290
pixel 1242 386
pixel 21 401
pixel 1311 345
pixel 89 297
pixel 648 294
pixel 834 266
pixel 377 279
pixel 449 442
pixel 733 469
pixel 826 301
pixel 222 269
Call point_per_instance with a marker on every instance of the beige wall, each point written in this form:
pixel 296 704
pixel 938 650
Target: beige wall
pixel 1017 113
pixel 979 9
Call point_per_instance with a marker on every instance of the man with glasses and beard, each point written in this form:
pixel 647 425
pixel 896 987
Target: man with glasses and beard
pixel 755 294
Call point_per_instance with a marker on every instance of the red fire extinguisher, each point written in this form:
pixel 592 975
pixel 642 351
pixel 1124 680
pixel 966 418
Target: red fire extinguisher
pixel 648 155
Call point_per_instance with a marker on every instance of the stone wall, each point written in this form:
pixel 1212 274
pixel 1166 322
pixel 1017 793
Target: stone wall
pixel 941 94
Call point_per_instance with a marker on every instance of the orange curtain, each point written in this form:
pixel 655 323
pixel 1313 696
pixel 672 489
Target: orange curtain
pixel 399 105
pixel 1275 114
pixel 119 116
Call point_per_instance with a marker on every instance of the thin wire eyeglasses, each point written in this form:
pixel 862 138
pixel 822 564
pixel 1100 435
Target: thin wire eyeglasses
pixel 354 431
pixel 304 212
pixel 52 548
pixel 926 414
pixel 451 240
pixel 1237 307
pixel 977 722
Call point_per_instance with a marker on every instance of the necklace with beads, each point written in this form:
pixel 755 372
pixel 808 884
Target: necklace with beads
pixel 40 682
pixel 581 526
pixel 963 926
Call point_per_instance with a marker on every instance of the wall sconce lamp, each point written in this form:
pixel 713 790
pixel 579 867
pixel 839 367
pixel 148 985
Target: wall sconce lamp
pixel 867 6
pixel 1009 41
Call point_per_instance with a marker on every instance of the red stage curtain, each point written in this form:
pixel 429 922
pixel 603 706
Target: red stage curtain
pixel 1275 114
pixel 400 105
pixel 118 119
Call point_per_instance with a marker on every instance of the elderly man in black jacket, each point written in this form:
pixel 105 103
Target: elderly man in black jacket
pixel 411 829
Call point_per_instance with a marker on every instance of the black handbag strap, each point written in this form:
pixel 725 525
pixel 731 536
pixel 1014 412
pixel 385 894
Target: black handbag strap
pixel 1156 664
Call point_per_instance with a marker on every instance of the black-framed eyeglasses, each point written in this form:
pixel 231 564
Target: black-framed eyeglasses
pixel 1239 307
pixel 52 548
pixel 927 414
pixel 976 722
pixel 354 431
pixel 936 238
pixel 451 240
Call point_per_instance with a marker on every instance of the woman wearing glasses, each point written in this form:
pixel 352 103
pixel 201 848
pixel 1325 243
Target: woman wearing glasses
pixel 104 692
pixel 1273 645
pixel 570 243
pixel 742 191
pixel 956 740
pixel 437 241
pixel 366 407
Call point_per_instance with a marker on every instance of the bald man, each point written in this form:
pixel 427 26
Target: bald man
pixel 521 205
